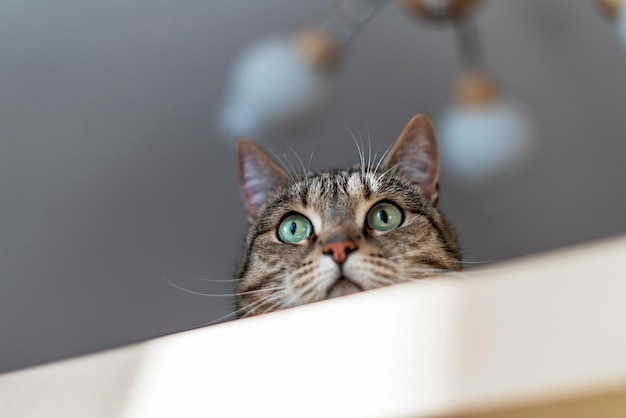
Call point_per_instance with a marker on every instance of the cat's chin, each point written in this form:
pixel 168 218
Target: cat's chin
pixel 342 287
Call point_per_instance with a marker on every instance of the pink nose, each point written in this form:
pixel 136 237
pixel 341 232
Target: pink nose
pixel 339 250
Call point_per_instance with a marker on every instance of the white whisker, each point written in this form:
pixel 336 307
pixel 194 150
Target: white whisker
pixel 310 160
pixel 293 180
pixel 217 294
pixel 214 280
pixel 304 170
pixel 306 289
pixel 382 157
pixel 369 146
pixel 235 312
pixel 270 309
pixel 361 154
pixel 384 174
pixel 293 169
pixel 251 310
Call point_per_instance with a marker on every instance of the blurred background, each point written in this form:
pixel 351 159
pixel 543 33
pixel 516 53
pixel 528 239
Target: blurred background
pixel 115 173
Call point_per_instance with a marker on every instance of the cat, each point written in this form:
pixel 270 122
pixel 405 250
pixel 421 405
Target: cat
pixel 337 232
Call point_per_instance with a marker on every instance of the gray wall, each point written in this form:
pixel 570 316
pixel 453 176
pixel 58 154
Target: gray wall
pixel 113 174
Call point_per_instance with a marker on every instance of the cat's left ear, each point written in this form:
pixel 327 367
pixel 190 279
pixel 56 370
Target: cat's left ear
pixel 259 176
pixel 415 155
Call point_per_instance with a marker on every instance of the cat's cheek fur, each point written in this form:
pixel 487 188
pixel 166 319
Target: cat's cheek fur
pixel 311 282
pixel 368 271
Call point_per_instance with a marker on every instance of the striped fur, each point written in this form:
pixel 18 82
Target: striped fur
pixel 275 275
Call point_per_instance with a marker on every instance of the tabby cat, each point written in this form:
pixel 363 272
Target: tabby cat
pixel 318 236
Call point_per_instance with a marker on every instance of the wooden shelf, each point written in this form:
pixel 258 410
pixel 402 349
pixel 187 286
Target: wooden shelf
pixel 513 340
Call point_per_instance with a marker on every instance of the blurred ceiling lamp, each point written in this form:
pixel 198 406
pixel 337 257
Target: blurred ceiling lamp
pixel 440 10
pixel 482 134
pixel 615 10
pixel 283 82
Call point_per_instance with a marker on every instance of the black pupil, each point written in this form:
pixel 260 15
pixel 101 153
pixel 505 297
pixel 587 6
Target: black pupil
pixel 292 228
pixel 383 216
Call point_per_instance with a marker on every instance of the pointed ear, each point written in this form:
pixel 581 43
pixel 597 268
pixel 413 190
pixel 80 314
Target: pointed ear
pixel 415 155
pixel 259 175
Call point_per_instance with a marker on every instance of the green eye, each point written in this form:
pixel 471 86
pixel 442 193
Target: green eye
pixel 384 217
pixel 294 228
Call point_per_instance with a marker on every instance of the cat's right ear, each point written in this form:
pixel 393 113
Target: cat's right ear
pixel 259 176
pixel 415 155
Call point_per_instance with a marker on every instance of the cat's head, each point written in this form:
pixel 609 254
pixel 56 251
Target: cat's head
pixel 317 236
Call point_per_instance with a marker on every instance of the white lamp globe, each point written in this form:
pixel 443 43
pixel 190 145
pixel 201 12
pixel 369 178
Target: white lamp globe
pixel 483 136
pixel 615 11
pixel 620 23
pixel 276 83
